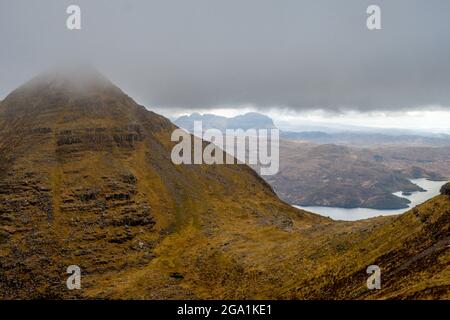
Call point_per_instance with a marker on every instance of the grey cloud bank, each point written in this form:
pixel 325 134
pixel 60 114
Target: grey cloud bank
pixel 202 54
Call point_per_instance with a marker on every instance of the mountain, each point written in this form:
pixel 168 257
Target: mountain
pixel 86 179
pixel 251 120
pixel 208 121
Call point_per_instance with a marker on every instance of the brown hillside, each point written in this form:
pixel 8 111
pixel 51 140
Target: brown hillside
pixel 86 179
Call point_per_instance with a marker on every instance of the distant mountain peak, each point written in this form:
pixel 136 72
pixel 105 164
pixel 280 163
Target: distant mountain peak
pixel 250 120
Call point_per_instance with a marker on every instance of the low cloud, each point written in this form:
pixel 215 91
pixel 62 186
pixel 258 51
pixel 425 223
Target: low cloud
pixel 201 54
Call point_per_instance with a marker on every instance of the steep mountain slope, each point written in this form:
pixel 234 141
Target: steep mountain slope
pixel 412 251
pixel 86 179
pixel 326 261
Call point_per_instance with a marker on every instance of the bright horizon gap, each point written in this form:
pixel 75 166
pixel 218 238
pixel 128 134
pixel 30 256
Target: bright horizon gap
pixel 434 120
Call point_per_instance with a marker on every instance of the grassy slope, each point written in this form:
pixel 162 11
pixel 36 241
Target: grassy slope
pixel 325 261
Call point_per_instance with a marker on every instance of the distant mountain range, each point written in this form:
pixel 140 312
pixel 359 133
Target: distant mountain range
pixel 86 178
pixel 344 169
pixel 364 137
pixel 251 120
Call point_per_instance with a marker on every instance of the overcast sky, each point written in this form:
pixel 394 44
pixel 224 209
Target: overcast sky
pixel 206 54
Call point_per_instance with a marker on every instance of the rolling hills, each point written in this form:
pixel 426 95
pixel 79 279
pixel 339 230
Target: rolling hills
pixel 340 176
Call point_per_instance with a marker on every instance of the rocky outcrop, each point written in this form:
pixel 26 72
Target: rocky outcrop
pixel 445 189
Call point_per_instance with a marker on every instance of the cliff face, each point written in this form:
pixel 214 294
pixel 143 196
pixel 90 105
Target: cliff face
pixel 86 179
pixel 445 190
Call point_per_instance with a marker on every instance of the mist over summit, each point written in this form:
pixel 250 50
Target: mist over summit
pixel 299 55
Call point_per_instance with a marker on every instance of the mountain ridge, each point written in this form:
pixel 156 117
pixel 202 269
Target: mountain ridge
pixel 250 120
